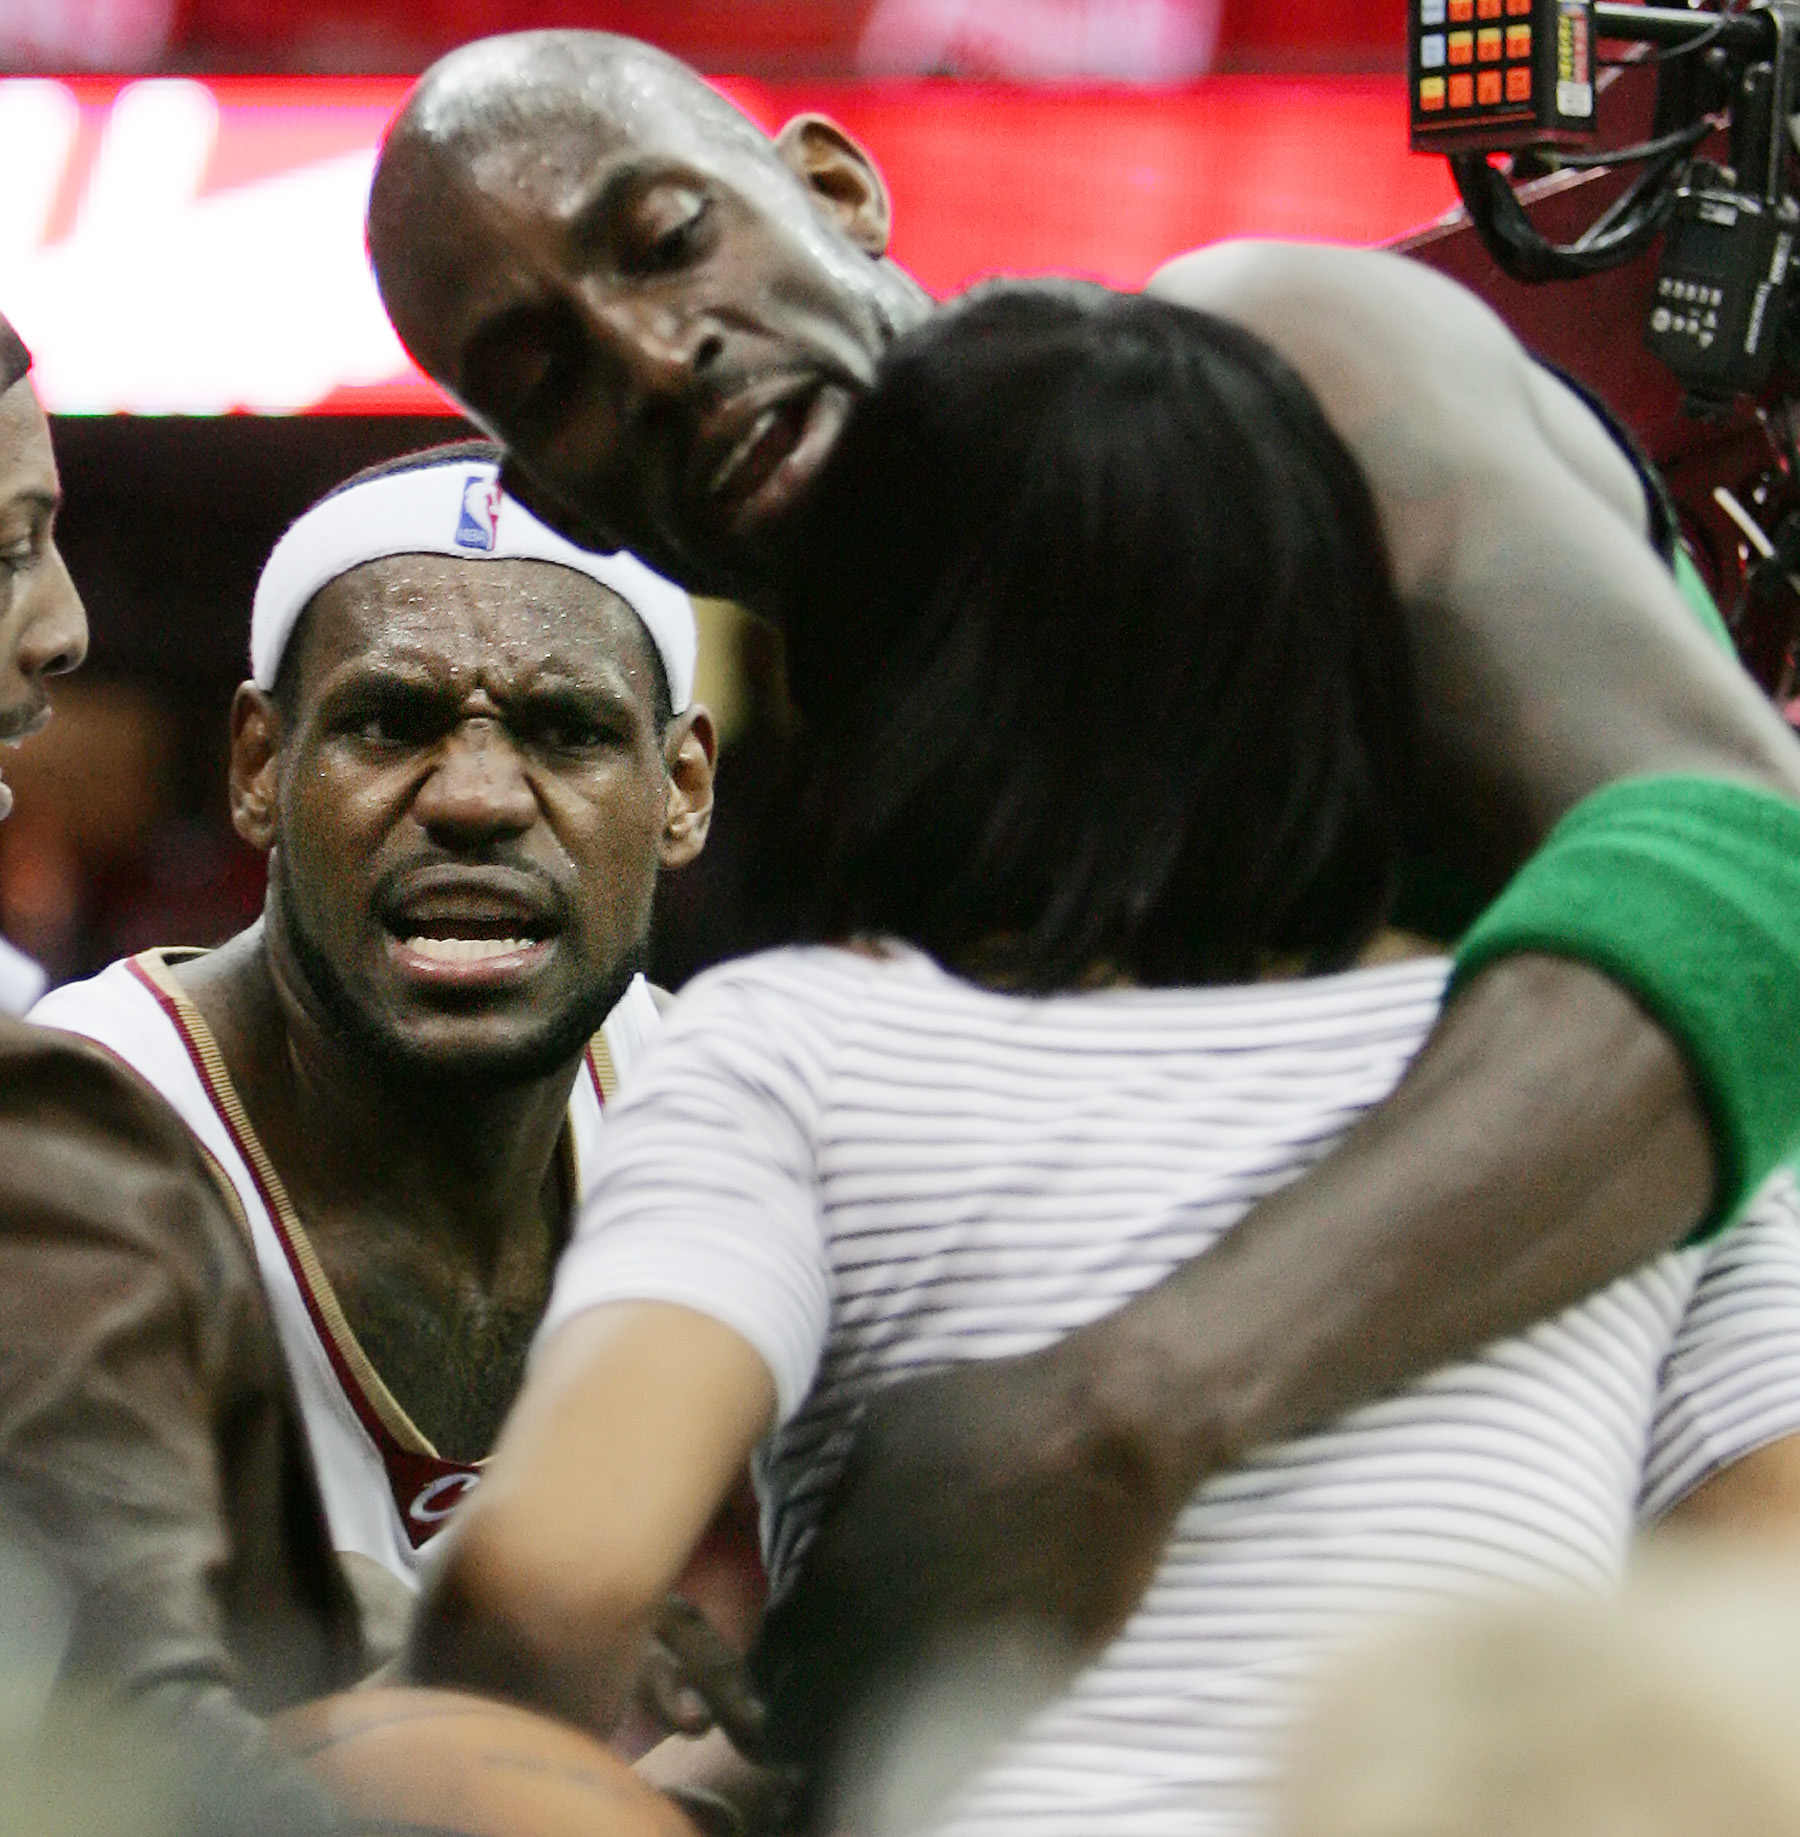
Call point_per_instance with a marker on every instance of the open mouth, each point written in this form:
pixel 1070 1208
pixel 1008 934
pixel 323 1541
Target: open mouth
pixel 774 454
pixel 467 950
pixel 445 960
pixel 453 930
pixel 772 435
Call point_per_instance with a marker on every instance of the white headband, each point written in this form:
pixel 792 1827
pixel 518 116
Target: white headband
pixel 456 508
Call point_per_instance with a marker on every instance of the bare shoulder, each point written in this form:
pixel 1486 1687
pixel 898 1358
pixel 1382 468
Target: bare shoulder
pixel 1360 325
pixel 1552 649
pixel 1420 378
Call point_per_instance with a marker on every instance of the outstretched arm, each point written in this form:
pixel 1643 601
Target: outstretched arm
pixel 636 1420
pixel 1551 1135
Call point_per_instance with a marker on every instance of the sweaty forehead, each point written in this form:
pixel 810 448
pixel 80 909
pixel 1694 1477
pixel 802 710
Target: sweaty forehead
pixel 543 112
pixel 505 625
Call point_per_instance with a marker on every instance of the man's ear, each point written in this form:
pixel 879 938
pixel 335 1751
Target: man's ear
pixel 845 182
pixel 690 752
pixel 255 742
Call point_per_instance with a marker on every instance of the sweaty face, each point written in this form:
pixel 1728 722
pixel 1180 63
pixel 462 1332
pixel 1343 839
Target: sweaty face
pixel 43 630
pixel 470 799
pixel 650 312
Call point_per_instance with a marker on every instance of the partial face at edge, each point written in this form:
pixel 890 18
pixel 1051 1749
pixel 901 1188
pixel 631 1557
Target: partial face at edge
pixel 468 809
pixel 43 629
pixel 663 323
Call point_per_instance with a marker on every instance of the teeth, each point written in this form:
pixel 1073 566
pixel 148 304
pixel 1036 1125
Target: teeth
pixel 466 950
pixel 735 457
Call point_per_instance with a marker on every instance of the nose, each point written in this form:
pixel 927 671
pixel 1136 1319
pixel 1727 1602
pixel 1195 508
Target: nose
pixel 658 346
pixel 477 792
pixel 53 629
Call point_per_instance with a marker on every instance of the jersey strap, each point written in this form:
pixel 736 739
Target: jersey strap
pixel 601 1069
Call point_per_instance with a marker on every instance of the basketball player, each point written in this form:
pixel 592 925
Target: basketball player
pixel 43 630
pixel 666 317
pixel 468 748
pixel 163 1547
pixel 1052 1059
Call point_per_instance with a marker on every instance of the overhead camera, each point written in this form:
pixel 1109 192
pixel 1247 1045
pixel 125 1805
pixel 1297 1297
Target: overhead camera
pixel 1519 77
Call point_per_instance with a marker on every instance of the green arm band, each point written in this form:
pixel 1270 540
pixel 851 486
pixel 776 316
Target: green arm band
pixel 1686 891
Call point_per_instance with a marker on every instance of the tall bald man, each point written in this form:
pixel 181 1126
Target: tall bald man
pixel 668 318
pixel 468 750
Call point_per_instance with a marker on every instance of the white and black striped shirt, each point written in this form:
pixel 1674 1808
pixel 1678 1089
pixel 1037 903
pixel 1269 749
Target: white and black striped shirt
pixel 870 1168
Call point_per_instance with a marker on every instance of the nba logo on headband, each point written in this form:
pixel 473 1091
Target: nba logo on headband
pixel 478 522
pixel 455 507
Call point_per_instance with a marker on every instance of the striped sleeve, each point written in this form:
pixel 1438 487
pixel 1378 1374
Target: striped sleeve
pixel 1731 1383
pixel 705 1192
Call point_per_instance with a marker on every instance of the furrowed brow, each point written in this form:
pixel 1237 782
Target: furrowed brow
pixel 388 682
pixel 567 692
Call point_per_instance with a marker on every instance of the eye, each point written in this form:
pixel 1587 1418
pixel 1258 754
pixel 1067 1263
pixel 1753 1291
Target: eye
pixel 567 727
pixel 525 369
pixel 20 551
pixel 394 723
pixel 667 229
pixel 570 734
pixel 570 739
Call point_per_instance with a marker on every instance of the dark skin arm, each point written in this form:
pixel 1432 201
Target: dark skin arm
pixel 1548 1138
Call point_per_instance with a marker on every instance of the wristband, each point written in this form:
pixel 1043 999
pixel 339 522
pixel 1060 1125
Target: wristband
pixel 1686 891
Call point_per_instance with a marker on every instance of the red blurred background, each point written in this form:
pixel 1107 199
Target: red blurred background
pixel 772 38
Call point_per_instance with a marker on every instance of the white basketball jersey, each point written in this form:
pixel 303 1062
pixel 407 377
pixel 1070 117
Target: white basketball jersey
pixel 387 1490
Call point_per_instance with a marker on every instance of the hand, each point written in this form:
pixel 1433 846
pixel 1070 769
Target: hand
pixel 692 1679
pixel 997 1500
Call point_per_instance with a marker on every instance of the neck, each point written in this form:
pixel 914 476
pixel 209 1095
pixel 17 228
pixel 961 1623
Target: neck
pixel 461 1162
pixel 902 302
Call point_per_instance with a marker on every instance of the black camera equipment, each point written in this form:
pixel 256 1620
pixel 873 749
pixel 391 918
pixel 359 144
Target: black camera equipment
pixel 1717 180
pixel 1520 77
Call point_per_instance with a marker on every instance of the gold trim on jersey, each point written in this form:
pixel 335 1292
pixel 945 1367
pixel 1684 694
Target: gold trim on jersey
pixel 224 1093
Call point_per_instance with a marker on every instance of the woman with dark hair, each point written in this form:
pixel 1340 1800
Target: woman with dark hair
pixel 1099 658
pixel 1105 688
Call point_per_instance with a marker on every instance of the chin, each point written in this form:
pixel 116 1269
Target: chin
pixel 488 1060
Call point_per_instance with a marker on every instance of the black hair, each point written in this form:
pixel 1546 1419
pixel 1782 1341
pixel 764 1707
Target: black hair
pixel 484 452
pixel 15 359
pixel 1095 641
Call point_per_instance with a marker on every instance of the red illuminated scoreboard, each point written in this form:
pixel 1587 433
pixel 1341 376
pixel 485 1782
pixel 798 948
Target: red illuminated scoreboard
pixel 172 246
pixel 1500 73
